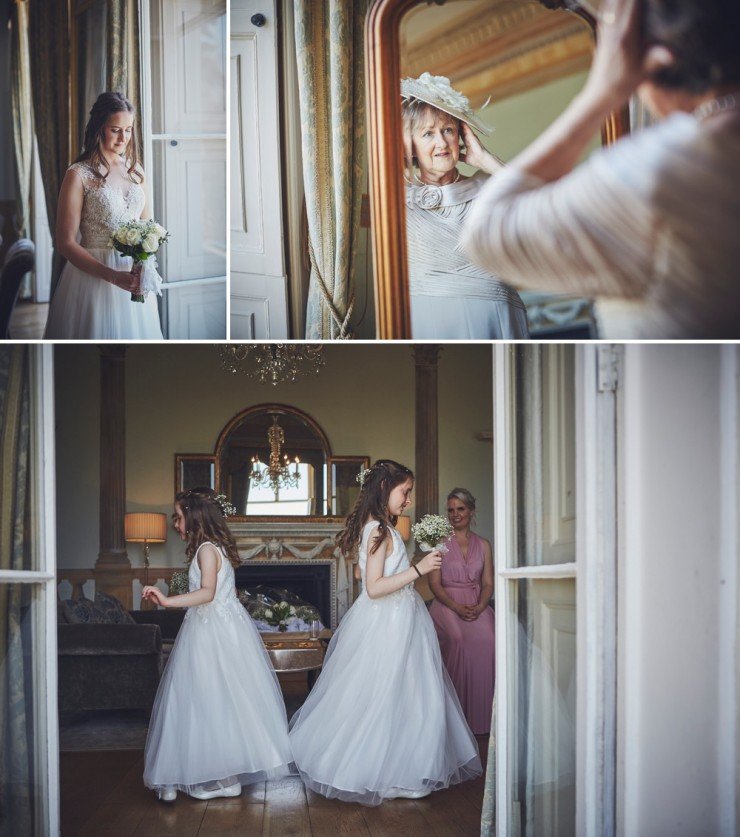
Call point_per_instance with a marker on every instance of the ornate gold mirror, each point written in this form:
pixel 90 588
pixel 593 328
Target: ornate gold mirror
pixel 274 461
pixel 529 57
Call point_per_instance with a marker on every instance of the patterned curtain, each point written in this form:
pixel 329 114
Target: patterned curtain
pixel 47 30
pixel 330 56
pixel 20 103
pixel 20 106
pixel 123 55
pixel 16 768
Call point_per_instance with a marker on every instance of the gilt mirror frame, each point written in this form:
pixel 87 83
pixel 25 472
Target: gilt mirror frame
pixel 385 132
pixel 317 430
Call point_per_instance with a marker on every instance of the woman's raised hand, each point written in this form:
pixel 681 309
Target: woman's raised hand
pixel 618 65
pixel 475 154
pixel 430 562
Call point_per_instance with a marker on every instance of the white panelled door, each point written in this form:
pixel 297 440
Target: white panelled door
pixel 555 565
pixel 259 297
pixel 185 82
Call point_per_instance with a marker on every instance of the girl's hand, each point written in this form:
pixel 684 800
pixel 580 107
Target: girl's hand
pixel 128 281
pixel 475 154
pixel 430 562
pixel 156 595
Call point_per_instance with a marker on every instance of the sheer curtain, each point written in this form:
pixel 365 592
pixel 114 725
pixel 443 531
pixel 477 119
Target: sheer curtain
pixel 330 58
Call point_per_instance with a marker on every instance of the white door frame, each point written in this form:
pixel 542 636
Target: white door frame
pixel 597 372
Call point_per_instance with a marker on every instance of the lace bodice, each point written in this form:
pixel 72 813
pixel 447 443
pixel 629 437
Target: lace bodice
pixel 395 562
pixel 225 602
pixel 106 207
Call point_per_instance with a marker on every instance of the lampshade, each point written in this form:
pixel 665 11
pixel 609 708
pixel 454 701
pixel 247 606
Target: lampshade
pixel 403 527
pixel 146 527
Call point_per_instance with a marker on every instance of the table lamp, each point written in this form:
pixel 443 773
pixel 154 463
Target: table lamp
pixel 146 528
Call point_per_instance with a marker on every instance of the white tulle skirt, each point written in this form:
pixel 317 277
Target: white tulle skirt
pixel 219 715
pixel 383 715
pixel 85 307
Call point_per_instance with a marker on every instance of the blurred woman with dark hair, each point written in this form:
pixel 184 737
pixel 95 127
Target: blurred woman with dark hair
pixel 648 226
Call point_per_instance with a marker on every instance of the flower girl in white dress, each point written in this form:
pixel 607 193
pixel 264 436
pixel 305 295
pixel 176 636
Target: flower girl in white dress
pixel 383 720
pixel 100 192
pixel 219 719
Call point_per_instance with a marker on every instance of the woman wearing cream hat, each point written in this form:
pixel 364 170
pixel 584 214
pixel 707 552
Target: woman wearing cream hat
pixel 451 298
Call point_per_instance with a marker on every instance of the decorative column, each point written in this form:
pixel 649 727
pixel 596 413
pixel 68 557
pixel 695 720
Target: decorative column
pixel 113 569
pixel 426 489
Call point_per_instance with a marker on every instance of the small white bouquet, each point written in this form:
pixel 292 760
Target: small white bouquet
pixel 431 531
pixel 141 239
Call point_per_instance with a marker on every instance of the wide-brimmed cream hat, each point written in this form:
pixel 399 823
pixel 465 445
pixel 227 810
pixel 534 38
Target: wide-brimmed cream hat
pixel 438 92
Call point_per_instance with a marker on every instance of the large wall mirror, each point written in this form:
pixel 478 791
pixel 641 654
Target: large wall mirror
pixel 530 57
pixel 273 461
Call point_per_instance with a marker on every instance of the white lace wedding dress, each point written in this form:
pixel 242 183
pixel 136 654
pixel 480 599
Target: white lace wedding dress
pixel 219 715
pixel 383 718
pixel 86 307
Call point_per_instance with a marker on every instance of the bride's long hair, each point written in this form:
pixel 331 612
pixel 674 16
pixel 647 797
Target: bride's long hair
pixel 105 106
pixel 372 503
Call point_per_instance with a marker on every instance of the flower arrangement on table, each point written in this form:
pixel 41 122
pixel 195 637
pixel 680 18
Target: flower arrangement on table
pixel 271 613
pixel 431 532
pixel 179 583
pixel 140 239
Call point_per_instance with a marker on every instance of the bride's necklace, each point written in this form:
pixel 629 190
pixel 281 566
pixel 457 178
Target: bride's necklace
pixel 718 105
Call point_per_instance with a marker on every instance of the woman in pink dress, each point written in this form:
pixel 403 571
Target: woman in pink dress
pixel 461 613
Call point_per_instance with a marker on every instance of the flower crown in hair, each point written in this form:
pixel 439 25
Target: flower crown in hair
pixel 227 510
pixel 362 476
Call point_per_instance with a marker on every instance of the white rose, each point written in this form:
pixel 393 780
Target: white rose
pixel 268 614
pixel 133 236
pixel 160 231
pixel 292 611
pixel 151 243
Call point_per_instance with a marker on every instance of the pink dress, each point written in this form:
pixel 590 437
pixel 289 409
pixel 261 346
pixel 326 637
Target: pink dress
pixel 467 647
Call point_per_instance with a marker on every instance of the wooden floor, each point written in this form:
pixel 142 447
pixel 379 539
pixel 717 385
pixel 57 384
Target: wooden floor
pixel 28 321
pixel 103 794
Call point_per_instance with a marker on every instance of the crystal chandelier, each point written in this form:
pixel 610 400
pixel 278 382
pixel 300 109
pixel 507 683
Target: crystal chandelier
pixel 273 362
pixel 278 473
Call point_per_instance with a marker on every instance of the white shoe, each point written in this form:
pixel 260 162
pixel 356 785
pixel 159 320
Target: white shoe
pixel 400 793
pixel 232 790
pixel 167 795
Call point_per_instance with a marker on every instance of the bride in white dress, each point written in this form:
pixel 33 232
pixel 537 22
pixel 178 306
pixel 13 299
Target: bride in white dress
pixel 219 718
pixel 383 720
pixel 101 191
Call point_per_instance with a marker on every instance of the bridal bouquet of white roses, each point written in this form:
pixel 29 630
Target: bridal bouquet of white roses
pixel 278 615
pixel 431 531
pixel 141 239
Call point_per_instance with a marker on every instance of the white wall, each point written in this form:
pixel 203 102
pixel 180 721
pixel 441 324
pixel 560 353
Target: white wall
pixel 678 591
pixel 178 399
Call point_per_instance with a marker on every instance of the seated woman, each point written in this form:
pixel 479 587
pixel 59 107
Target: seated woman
pixel 648 226
pixel 451 298
pixel 461 613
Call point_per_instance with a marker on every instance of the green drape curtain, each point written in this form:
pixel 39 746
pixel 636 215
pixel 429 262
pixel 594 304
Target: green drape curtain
pixel 49 43
pixel 16 765
pixel 330 56
pixel 20 104
pixel 122 47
